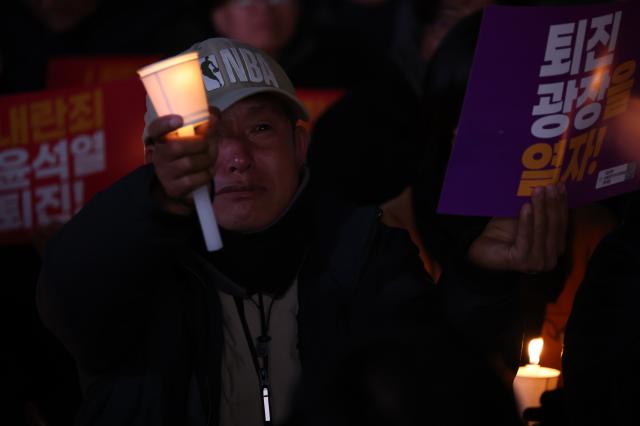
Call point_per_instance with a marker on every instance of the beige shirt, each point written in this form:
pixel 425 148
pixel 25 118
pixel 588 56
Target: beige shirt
pixel 240 400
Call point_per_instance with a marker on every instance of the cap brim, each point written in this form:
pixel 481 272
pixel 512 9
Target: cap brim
pixel 224 101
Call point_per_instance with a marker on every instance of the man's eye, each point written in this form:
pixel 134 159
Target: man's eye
pixel 262 127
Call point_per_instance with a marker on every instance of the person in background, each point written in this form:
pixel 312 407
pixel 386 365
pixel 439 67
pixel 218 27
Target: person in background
pixel 602 342
pixel 380 155
pixel 269 25
pixel 391 146
pixel 36 31
pixel 304 37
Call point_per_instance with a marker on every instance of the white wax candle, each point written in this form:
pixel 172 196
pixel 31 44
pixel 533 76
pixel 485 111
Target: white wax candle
pixel 530 382
pixel 204 207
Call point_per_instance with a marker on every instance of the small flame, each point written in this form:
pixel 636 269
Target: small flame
pixel 535 349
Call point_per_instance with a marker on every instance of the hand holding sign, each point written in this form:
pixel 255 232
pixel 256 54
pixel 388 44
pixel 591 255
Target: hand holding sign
pixel 530 243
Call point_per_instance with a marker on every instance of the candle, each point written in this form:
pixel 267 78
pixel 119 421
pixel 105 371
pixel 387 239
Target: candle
pixel 175 87
pixel 532 379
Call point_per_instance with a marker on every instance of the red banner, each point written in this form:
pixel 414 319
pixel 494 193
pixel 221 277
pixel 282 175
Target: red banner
pixel 67 72
pixel 83 71
pixel 318 101
pixel 58 148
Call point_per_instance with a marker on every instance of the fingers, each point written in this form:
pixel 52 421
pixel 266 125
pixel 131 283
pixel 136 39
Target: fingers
pixel 186 163
pixel 538 246
pixel 163 129
pixel 180 173
pixel 548 239
pixel 182 187
pixel 187 147
pixel 524 234
pixel 557 212
pixel 159 127
pixel 183 166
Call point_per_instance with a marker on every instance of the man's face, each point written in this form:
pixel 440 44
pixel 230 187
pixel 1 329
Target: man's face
pixel 266 24
pixel 260 155
pixel 62 15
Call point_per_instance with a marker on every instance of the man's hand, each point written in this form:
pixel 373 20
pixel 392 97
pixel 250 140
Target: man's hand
pixel 531 243
pixel 182 164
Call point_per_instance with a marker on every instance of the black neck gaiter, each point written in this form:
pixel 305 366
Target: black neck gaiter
pixel 268 261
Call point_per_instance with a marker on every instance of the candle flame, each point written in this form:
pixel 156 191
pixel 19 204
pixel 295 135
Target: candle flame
pixel 535 349
pixel 187 130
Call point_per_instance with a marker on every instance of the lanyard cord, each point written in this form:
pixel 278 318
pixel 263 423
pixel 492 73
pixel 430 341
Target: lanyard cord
pixel 261 352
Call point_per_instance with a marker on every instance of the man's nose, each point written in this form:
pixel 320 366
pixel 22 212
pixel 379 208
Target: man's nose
pixel 235 155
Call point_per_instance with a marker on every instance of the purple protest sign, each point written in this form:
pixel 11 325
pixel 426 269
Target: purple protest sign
pixel 552 97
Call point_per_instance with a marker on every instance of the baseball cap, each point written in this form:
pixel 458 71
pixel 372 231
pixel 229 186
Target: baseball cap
pixel 232 71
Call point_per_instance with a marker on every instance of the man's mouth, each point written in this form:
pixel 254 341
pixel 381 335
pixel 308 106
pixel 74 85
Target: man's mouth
pixel 239 190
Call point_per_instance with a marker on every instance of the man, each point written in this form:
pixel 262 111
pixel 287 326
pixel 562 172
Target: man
pixel 165 333
pixel 315 55
pixel 266 24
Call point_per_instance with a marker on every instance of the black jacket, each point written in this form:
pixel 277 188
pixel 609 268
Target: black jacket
pixel 602 342
pixel 129 293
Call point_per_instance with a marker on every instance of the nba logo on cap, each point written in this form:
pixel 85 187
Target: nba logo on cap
pixel 211 74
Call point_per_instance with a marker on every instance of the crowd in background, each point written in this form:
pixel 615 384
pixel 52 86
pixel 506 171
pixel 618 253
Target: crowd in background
pixel 369 148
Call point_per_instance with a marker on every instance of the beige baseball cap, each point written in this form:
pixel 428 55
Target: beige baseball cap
pixel 232 71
